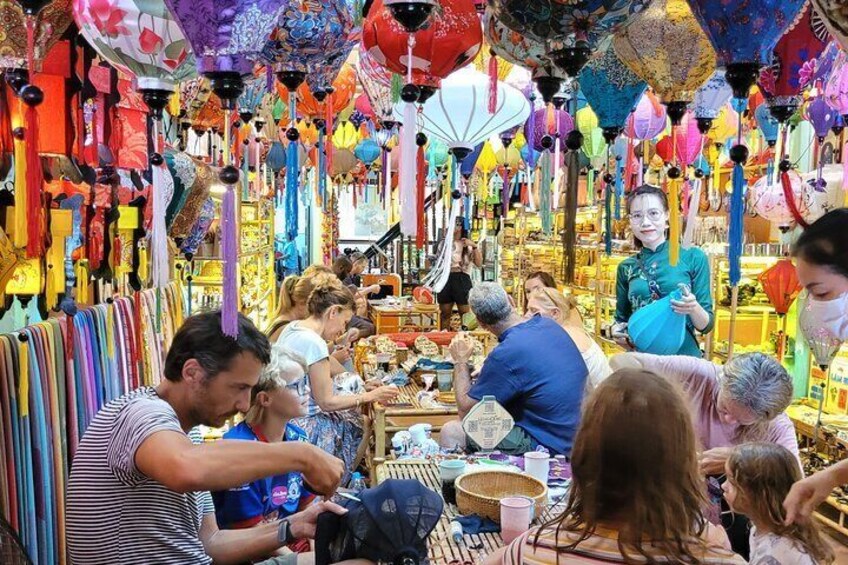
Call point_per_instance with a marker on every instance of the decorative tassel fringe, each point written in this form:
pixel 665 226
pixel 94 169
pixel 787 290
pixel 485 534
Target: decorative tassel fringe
pixel 674 221
pixel 493 83
pixel 531 135
pixel 229 250
pixel 269 79
pixel 692 216
pixel 421 234
pixel 737 212
pixel 159 260
pixel 590 186
pixel 21 227
pixel 291 191
pixel 34 187
pixel 789 196
pixel 545 193
pixel 408 170
pixel 608 218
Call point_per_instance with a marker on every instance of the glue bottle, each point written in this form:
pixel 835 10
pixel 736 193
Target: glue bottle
pixel 456 532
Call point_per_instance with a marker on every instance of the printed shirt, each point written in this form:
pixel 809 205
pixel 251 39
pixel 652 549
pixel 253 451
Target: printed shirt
pixel 116 514
pixel 771 549
pixel 601 547
pixel 633 281
pixel 266 499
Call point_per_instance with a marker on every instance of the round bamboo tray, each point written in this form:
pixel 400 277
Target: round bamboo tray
pixel 480 492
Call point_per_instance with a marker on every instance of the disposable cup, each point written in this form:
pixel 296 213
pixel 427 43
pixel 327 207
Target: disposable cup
pixel 516 516
pixel 537 464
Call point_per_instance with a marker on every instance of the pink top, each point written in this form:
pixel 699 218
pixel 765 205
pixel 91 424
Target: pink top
pixel 701 381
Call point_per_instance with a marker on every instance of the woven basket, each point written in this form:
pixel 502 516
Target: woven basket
pixel 480 492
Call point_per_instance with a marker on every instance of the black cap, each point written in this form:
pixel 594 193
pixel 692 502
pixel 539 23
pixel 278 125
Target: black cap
pixel 390 525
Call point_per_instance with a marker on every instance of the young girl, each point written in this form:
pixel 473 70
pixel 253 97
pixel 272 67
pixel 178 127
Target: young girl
pixel 759 476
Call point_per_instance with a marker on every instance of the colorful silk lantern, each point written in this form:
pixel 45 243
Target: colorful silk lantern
pixel 367 151
pixel 769 199
pixel 346 136
pixel 518 49
pixel 437 153
pixel 836 88
pixel 835 16
pixel 648 120
pixel 767 124
pixel 666 48
pixel 781 285
pixel 249 101
pixel 451 41
pixel 781 80
pixel 743 35
pixel 344 87
pixel 612 90
pixel 50 23
pixel 594 143
pixel 710 99
pixel 141 39
pixel 819 113
pixel 549 122
pixel 574 28
pixel 376 81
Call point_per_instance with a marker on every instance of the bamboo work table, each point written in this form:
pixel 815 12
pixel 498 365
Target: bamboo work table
pixel 404 412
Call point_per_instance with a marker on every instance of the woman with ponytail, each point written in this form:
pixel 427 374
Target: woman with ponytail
pixel 333 421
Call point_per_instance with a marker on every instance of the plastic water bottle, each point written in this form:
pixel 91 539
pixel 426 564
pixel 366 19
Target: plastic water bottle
pixel 357 483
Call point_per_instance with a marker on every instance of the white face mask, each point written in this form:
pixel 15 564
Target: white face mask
pixel 832 315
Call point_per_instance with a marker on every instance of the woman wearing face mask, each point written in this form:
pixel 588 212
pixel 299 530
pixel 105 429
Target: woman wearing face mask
pixel 821 255
pixel 333 421
pixel 649 276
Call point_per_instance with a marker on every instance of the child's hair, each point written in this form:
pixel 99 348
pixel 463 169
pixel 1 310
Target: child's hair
pixel 552 298
pixel 286 367
pixel 763 473
pixel 342 267
pixel 328 292
pixel 313 270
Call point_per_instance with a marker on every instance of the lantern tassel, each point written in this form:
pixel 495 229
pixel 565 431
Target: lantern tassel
pixel 493 83
pixel 408 172
pixel 674 221
pixel 845 167
pixel 608 219
pixel 735 232
pixel 789 196
pixel 159 231
pixel 229 249
pixel 21 227
pixel 531 135
pixel 692 216
pixel 34 186
pixel 421 235
pixel 291 191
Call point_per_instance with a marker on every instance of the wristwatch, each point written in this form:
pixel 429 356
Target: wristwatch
pixel 284 533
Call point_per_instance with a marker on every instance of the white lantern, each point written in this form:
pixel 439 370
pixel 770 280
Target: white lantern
pixel 458 114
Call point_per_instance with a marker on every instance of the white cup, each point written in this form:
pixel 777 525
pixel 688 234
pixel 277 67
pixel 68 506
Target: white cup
pixel 418 433
pixel 537 464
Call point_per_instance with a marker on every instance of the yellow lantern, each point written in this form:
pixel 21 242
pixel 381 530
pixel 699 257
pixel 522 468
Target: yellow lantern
pixel 666 47
pixel 308 133
pixel 724 126
pixel 587 123
pixel 346 136
pixel 486 163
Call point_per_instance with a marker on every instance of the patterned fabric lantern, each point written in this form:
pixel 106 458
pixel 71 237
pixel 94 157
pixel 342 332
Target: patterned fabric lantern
pixel 781 285
pixel 437 153
pixel 574 28
pixel 767 124
pixel 521 50
pixel 836 88
pixel 50 24
pixel 666 48
pixel 451 41
pixel 141 39
pixel 710 99
pixel 770 202
pixel 781 82
pixel 611 90
pixel 819 113
pixel 648 120
pixel 376 81
pixel 552 123
pixel 253 95
pixel 344 88
pixel 834 15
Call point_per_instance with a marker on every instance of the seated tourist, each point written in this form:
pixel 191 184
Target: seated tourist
pixel 275 400
pixel 333 421
pixel 138 490
pixel 551 303
pixel 636 494
pixel 535 281
pixel 361 320
pixel 740 402
pixel 536 373
pixel 359 262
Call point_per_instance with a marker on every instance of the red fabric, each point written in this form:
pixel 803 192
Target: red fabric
pixel 408 339
pixel 129 139
pixel 789 195
pixel 781 285
pixel 34 186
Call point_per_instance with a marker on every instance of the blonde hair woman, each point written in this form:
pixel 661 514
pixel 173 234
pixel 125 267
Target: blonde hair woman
pixel 551 303
pixel 294 292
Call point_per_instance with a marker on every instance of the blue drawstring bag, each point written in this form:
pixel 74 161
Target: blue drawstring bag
pixel 658 329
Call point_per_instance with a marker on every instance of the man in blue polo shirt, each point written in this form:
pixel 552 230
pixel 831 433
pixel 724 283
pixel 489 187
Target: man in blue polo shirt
pixel 276 399
pixel 536 372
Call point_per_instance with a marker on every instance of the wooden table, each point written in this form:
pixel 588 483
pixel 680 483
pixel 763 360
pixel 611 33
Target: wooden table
pixel 405 412
pixel 442 548
pixel 416 318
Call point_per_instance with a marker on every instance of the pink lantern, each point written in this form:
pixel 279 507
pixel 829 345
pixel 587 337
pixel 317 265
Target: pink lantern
pixel 363 105
pixel 648 120
pixel 687 140
pixel 769 200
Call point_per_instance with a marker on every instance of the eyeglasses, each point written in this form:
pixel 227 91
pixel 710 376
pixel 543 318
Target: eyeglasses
pixel 654 214
pixel 299 387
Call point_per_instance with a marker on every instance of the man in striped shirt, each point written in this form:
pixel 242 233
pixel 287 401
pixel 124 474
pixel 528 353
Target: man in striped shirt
pixel 138 488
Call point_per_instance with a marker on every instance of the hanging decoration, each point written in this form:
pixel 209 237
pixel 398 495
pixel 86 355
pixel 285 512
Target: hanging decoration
pixel 666 48
pixel 835 17
pixel 781 285
pixel 376 82
pixel 49 25
pixel 710 99
pixel 781 81
pixel 611 90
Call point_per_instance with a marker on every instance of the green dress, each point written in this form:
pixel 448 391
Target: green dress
pixel 648 269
